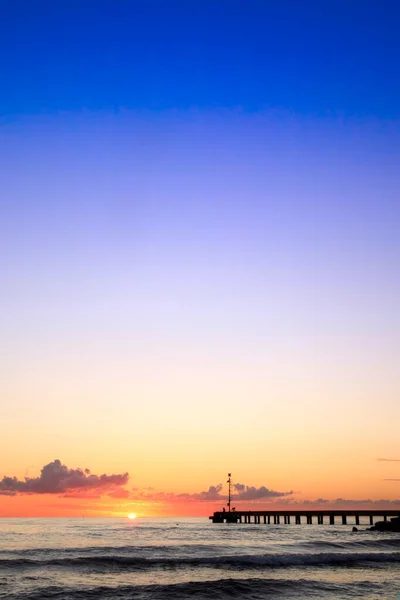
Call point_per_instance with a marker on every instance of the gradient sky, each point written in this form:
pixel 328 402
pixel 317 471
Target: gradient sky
pixel 199 250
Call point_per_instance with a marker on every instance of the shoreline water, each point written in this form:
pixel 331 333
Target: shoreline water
pixel 149 559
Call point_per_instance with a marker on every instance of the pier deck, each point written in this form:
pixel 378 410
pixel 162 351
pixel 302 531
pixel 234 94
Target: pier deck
pixel 285 516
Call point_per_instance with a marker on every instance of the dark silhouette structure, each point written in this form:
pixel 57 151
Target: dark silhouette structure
pixel 229 482
pixel 320 517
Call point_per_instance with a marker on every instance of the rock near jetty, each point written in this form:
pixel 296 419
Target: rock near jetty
pixel 392 525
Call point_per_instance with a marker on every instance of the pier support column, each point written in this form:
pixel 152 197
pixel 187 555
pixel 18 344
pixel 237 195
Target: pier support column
pixel 331 519
pixel 371 520
pixel 344 519
pixel 298 519
pixel 278 519
pixel 309 520
pixel 288 519
pixel 385 517
pixel 265 519
pixel 357 519
pixel 269 519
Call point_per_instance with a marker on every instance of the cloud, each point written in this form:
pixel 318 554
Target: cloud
pixel 149 494
pixel 56 478
pixel 391 480
pixel 378 503
pixel 250 495
pixel 212 494
pixel 118 492
pixel 248 492
pixel 345 501
pixel 341 502
pixel 388 459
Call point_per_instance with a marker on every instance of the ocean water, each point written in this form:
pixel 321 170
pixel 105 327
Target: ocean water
pixel 149 559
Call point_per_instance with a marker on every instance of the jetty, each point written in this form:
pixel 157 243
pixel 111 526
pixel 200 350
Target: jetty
pixel 320 517
pixel 276 517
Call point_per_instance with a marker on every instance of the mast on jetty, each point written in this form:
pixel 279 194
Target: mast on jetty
pixel 274 516
pixel 229 482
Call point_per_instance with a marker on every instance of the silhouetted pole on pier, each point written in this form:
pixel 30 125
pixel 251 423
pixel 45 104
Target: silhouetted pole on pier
pixel 229 491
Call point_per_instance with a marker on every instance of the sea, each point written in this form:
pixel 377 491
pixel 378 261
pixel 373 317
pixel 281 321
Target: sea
pixel 149 559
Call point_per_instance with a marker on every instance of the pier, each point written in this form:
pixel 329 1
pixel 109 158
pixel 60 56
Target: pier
pixel 320 517
pixel 286 517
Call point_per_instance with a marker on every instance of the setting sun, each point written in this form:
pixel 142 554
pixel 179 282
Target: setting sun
pixel 132 516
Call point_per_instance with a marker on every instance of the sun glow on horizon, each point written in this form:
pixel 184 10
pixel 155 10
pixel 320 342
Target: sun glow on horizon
pixel 132 516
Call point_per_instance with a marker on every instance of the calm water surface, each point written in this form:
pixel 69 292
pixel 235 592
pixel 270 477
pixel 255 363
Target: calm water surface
pixel 149 559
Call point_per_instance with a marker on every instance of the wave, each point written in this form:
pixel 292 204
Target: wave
pixel 371 542
pixel 387 543
pixel 123 549
pixel 219 589
pixel 112 563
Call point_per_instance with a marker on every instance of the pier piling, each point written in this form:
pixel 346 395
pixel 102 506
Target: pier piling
pixel 274 516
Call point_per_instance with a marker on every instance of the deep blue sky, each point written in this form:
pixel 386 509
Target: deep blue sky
pixel 309 56
pixel 200 210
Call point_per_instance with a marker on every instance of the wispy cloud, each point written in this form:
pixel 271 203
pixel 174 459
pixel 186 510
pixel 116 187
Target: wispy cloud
pixel 248 492
pixel 338 503
pixel 212 494
pixel 249 495
pixel 388 459
pixel 56 478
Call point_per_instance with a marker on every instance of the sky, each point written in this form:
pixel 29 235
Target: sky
pixel 199 249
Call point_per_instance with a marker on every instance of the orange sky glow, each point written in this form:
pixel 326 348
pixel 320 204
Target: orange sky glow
pixel 59 491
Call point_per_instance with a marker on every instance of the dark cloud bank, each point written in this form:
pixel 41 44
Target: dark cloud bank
pixel 56 478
